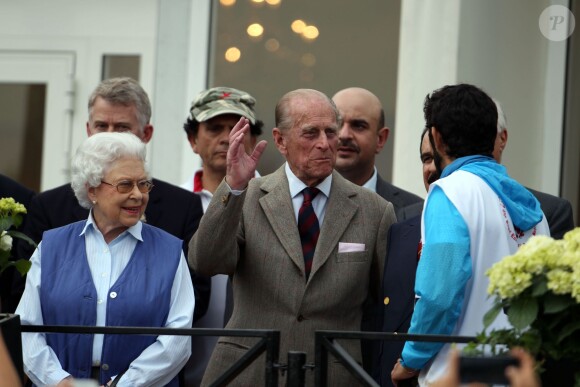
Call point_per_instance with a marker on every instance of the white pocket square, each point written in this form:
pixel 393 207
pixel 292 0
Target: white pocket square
pixel 344 247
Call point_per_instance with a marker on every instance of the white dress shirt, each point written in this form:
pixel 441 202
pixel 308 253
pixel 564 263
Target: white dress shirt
pixel 318 203
pixel 372 182
pixel 158 363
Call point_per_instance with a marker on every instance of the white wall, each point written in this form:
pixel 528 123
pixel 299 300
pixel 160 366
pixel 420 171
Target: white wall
pixel 496 45
pixel 517 65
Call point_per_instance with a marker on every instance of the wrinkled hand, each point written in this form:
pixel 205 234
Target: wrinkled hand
pixel 400 373
pixel 241 167
pixel 524 375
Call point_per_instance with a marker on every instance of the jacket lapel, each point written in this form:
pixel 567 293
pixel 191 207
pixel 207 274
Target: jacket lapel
pixel 340 210
pixel 277 206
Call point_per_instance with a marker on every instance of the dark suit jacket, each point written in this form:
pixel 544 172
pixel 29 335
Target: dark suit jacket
pixel 12 189
pixel 558 213
pixel 398 197
pixel 170 208
pixel 398 292
pixel 371 321
pixel 415 209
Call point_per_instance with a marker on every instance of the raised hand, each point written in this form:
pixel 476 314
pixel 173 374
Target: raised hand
pixel 241 167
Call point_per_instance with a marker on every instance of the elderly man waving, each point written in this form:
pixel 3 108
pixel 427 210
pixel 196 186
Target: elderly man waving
pixel 305 246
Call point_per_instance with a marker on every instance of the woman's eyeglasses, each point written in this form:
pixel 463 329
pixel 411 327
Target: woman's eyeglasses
pixel 126 186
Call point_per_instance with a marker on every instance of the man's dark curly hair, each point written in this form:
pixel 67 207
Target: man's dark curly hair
pixel 191 127
pixel 466 118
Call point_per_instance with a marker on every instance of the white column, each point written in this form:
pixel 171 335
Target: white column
pixel 181 72
pixel 428 57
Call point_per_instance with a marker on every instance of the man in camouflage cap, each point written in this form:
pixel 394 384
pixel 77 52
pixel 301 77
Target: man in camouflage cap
pixel 213 114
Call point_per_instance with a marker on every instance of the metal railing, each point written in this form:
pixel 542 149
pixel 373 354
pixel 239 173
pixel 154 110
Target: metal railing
pixel 325 342
pixel 269 343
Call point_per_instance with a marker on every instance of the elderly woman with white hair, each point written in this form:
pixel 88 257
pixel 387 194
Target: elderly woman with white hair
pixel 109 270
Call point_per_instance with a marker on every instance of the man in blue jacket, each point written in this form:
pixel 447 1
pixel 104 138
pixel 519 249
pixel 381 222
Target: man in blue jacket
pixel 474 215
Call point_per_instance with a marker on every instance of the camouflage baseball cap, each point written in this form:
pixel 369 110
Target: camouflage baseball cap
pixel 223 100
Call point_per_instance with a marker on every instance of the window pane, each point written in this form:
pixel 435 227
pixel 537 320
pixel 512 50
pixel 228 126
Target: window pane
pixel 121 66
pixel 352 43
pixel 22 131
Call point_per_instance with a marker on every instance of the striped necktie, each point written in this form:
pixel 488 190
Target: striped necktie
pixel 308 228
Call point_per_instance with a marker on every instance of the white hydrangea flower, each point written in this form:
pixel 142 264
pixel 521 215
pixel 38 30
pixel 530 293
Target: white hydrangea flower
pixel 5 241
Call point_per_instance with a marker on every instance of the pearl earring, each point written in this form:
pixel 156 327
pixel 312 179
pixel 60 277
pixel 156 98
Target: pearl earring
pixel 94 202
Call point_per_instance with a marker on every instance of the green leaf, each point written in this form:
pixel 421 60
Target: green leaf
pixel 22 265
pixel 19 235
pixel 540 286
pixel 568 330
pixel 491 315
pixel 556 303
pixel 5 223
pixel 522 312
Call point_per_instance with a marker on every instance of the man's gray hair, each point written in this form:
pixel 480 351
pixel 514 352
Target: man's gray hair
pixel 283 112
pixel 123 91
pixel 95 157
pixel 501 120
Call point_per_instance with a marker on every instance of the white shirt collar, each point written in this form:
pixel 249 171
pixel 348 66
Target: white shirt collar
pixel 296 185
pixel 372 182
pixel 134 230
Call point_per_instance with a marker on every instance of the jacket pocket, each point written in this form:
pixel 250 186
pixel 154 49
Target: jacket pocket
pixel 358 256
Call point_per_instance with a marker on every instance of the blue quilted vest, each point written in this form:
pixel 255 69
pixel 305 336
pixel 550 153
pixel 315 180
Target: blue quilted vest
pixel 68 297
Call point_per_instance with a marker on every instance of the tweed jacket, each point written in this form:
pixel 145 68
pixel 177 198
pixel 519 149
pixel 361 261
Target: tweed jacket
pixel 254 237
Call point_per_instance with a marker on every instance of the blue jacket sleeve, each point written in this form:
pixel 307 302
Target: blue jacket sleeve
pixel 442 274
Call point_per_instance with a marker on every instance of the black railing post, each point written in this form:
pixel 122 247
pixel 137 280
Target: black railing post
pixel 296 369
pixel 272 353
pixel 11 331
pixel 321 360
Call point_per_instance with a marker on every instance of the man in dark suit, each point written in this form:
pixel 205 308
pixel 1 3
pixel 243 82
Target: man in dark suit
pixel 303 244
pixel 119 105
pixel 12 189
pixel 362 136
pixel 398 292
pixel 558 210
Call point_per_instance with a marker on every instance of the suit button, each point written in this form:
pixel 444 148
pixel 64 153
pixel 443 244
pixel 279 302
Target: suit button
pixel 300 318
pixel 386 300
pixel 113 294
pixel 105 367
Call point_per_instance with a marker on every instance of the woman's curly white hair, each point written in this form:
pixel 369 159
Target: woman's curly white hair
pixel 95 157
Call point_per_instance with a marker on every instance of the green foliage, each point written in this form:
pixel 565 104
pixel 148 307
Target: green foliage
pixel 522 312
pixel 11 215
pixel 539 288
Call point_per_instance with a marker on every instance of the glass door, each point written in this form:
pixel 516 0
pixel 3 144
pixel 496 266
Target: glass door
pixel 36 94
